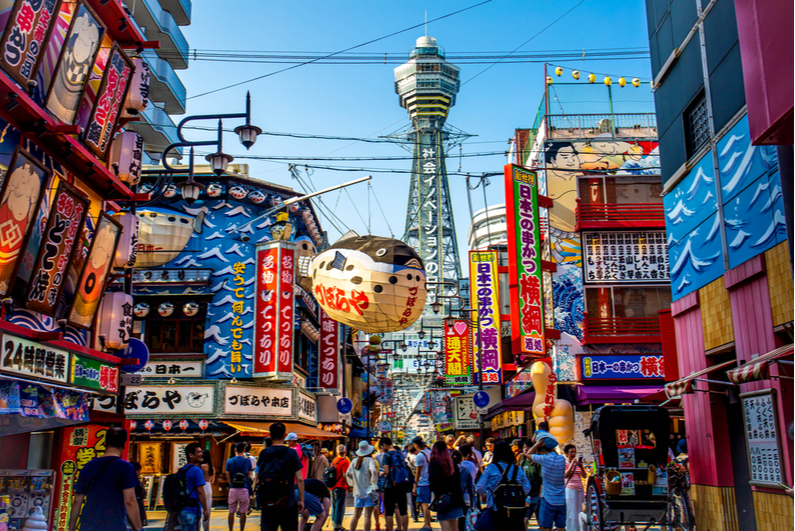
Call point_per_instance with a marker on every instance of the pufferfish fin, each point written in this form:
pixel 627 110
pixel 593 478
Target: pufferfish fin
pixel 348 235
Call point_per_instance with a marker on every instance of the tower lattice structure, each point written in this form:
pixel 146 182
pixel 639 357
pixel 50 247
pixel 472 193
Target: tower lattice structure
pixel 427 85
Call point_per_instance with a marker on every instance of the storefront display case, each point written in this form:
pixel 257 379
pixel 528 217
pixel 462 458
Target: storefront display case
pixel 26 490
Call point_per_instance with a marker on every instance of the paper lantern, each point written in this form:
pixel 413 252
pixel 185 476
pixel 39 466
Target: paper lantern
pixel 635 82
pixel 131 425
pixel 162 236
pixel 203 425
pixel 183 425
pixel 190 308
pixel 165 309
pixel 170 191
pixel 575 74
pixel 238 192
pixel 256 197
pixel 559 71
pixel 306 214
pixel 146 188
pixel 115 319
pixel 167 425
pixel 141 309
pixel 549 80
pixel 591 78
pixel 608 81
pixel 127 250
pixel 149 425
pixel 138 93
pixel 126 156
pixel 214 189
pixel 370 283
pixel 622 82
pixel 275 200
pixel 294 208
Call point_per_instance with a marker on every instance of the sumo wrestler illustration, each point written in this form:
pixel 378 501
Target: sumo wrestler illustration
pixel 92 281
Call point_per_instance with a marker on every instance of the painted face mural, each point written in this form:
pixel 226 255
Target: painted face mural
pixel 92 281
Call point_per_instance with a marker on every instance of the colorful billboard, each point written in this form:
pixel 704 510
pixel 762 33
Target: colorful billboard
pixel 25 37
pixel 329 354
pixel 104 117
pixel 485 300
pixel 622 367
pixel 457 361
pixel 524 259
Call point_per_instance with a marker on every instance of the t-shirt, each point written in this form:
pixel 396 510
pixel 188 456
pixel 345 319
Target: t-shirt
pixel 553 471
pixel 423 460
pixel 195 481
pixel 239 463
pixel 103 509
pixel 341 464
pixel 290 465
pixel 317 488
pixel 575 481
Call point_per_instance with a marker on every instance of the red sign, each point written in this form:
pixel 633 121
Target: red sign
pixel 329 352
pixel 274 311
pixel 103 120
pixel 25 37
pixel 457 360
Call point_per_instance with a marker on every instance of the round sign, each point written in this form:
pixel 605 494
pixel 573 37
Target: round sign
pixel 385 426
pixel 135 349
pixel 481 399
pixel 344 405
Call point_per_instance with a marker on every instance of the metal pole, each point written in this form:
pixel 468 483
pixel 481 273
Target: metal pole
pixel 480 388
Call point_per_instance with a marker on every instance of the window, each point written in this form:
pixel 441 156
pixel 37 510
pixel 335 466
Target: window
pixel 626 302
pixel 697 124
pixel 182 335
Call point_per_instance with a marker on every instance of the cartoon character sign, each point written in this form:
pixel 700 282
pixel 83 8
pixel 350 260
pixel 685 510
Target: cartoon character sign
pixel 282 229
pixel 19 201
pixel 77 58
pixel 92 281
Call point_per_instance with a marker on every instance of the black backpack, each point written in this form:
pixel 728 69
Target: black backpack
pixel 274 483
pixel 330 476
pixel 509 493
pixel 240 478
pixel 176 495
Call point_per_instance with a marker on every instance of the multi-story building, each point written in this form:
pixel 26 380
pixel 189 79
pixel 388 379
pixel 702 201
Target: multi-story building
pixel 721 95
pixel 488 228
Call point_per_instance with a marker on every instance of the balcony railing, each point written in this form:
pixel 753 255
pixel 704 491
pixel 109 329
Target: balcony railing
pixel 606 330
pixel 165 85
pixel 603 126
pixel 620 216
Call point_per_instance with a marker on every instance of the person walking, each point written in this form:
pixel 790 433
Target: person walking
pixel 292 442
pixel 190 517
pixel 363 475
pixel 489 453
pixel 553 469
pixel 319 464
pixel 107 486
pixel 279 475
pixel 574 491
pixel 465 468
pixel 445 482
pixel 317 503
pixel 209 480
pixel 532 471
pixel 411 460
pixel 238 474
pixel 501 469
pixel 397 482
pixel 422 487
pixel 468 460
pixel 340 489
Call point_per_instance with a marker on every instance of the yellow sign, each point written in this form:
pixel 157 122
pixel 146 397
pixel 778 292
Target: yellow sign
pixel 485 299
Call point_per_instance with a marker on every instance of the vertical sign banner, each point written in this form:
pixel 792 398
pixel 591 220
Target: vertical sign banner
pixel 275 311
pixel 329 369
pixel 106 111
pixel 485 299
pixel 64 226
pixel 25 38
pixel 238 309
pixel 524 259
pixel 762 435
pixel 457 362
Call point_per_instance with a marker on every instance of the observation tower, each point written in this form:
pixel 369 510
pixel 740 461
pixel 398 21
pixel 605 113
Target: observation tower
pixel 427 85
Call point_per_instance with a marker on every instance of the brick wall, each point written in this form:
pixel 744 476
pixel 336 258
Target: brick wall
pixel 716 314
pixel 714 508
pixel 779 281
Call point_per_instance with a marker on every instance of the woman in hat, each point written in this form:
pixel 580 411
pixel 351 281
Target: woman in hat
pixel 363 475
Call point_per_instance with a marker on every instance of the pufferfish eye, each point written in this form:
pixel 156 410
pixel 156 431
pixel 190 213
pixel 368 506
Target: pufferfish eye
pixel 380 252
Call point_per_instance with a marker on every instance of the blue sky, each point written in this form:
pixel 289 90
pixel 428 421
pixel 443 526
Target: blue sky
pixel 359 100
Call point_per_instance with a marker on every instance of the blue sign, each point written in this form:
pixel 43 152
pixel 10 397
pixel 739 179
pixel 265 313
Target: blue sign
pixel 344 405
pixel 481 399
pixel 136 349
pixel 622 367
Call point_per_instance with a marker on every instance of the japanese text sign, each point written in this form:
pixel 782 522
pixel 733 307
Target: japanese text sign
pixel 457 361
pixel 101 126
pixel 274 311
pixel 94 374
pixel 25 357
pixel 761 432
pixel 624 367
pixel 169 369
pixel 240 400
pixel 307 408
pixel 329 347
pixel 183 400
pixel 524 259
pixel 64 227
pixel 625 257
pixel 25 38
pixel 485 300
pixel 238 310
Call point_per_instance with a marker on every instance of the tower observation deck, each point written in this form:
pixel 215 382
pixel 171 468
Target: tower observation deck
pixel 427 85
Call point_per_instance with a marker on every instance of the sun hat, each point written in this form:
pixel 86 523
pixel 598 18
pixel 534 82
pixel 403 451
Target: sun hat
pixel 291 437
pixel 365 449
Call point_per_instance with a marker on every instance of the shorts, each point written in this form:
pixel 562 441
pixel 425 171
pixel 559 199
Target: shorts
pixel 360 503
pixel 312 504
pixel 238 500
pixel 552 514
pixel 451 514
pixel 395 496
pixel 533 507
pixel 424 494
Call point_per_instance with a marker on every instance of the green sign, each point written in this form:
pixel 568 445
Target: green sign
pixel 94 374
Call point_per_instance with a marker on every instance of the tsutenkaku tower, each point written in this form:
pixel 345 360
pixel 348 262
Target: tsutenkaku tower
pixel 427 85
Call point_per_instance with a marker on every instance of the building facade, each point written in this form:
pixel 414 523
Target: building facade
pixel 488 228
pixel 731 275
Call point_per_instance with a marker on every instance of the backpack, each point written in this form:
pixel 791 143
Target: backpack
pixel 240 479
pixel 274 483
pixel 176 495
pixel 330 476
pixel 399 473
pixel 509 493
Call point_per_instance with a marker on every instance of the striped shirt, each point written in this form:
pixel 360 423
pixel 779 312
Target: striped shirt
pixel 553 471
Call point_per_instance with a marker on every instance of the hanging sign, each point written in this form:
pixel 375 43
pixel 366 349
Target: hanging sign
pixel 625 256
pixel 623 367
pixel 151 458
pixel 27 358
pixel 94 374
pixel 329 363
pixel 99 133
pixel 274 309
pixel 524 259
pixel 761 432
pixel 167 424
pixel 307 408
pixel 238 310
pixel 193 400
pixel 25 38
pixel 64 227
pixel 457 365
pixel 258 401
pixel 485 299
pixel 466 414
pixel 171 369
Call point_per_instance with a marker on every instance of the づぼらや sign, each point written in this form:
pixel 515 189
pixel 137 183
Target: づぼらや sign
pixel 240 400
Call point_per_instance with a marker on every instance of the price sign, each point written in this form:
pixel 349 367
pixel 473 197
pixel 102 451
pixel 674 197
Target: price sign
pixel 761 432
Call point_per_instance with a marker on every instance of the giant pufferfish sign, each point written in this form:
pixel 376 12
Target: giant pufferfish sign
pixel 371 283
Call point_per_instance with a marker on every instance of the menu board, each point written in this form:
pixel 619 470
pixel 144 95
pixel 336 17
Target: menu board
pixel 761 433
pixel 625 257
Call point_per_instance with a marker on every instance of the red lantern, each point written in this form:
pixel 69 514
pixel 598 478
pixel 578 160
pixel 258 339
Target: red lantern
pixel 149 424
pixel 132 425
pixel 167 425
pixel 203 425
pixel 183 424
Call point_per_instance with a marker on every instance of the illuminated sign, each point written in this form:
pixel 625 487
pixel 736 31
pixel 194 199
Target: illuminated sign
pixel 274 310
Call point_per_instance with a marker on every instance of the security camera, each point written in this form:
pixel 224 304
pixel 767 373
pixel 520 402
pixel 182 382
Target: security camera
pixel 245 238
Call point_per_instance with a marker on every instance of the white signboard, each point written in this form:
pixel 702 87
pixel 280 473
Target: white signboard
pixel 761 432
pixel 178 457
pixel 28 358
pixel 258 401
pixel 466 415
pixel 582 422
pixel 307 408
pixel 172 369
pixel 625 257
pixel 164 400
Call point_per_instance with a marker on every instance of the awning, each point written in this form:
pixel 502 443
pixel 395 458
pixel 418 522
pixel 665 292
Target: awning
pixel 260 429
pixel 758 368
pixel 522 402
pixel 685 385
pixel 608 394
